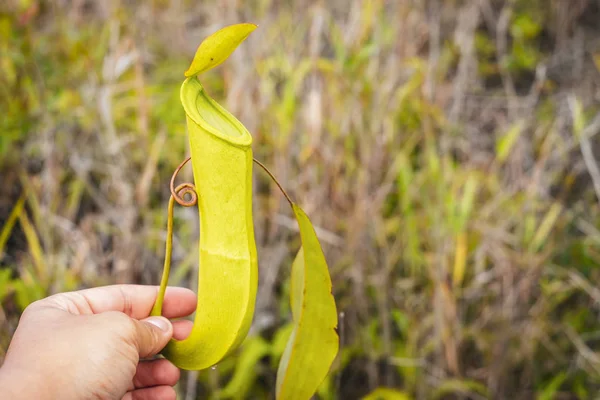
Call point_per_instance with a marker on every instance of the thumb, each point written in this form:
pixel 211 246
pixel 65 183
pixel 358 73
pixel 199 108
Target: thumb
pixel 152 334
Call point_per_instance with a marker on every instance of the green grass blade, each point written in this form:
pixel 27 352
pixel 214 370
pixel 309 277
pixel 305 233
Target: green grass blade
pixel 314 343
pixel 551 389
pixel 505 144
pixel 10 223
pixel 246 369
pixel 386 394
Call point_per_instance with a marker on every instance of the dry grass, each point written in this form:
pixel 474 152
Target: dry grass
pixel 445 149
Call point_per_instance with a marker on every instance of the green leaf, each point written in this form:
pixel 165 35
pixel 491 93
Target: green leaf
pixel 313 344
pixel 578 116
pixel 386 394
pixel 245 373
pixel 505 144
pixel 279 342
pixel 546 227
pixel 5 283
pixel 524 26
pixel 217 47
pixel 467 201
pixel 10 223
pixel 551 389
pixel 460 386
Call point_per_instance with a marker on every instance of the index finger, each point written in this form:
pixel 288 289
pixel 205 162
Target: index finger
pixel 133 300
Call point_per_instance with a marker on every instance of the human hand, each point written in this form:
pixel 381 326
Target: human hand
pixel 89 345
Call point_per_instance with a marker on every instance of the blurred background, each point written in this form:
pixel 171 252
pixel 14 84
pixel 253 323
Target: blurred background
pixel 446 150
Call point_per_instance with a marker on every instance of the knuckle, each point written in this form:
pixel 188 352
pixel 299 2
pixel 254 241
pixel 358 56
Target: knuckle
pixel 31 307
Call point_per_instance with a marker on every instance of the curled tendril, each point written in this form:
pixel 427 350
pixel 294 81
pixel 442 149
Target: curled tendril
pixel 178 192
pixel 181 190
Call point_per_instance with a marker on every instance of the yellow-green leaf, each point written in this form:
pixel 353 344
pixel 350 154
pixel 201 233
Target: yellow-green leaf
pixel 458 386
pixel 386 394
pixel 460 259
pixel 546 227
pixel 217 47
pixel 313 344
pixel 35 246
pixel 578 116
pixel 506 143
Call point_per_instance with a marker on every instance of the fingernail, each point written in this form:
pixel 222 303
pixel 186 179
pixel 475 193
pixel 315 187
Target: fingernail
pixel 161 323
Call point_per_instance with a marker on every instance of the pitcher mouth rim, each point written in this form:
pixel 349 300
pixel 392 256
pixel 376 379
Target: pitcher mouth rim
pixel 193 85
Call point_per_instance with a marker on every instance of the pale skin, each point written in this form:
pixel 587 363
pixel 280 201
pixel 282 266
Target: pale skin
pixel 94 344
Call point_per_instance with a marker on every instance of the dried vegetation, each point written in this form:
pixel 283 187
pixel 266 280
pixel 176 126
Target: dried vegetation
pixel 445 149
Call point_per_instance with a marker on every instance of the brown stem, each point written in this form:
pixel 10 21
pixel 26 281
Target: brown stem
pixel 183 189
pixel 275 180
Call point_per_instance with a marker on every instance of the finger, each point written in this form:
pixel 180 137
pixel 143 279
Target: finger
pixel 133 300
pixel 137 300
pixel 182 329
pixel 151 335
pixel 155 373
pixel 179 302
pixel 153 393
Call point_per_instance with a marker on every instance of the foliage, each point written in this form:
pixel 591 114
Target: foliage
pixel 432 143
pixel 313 344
